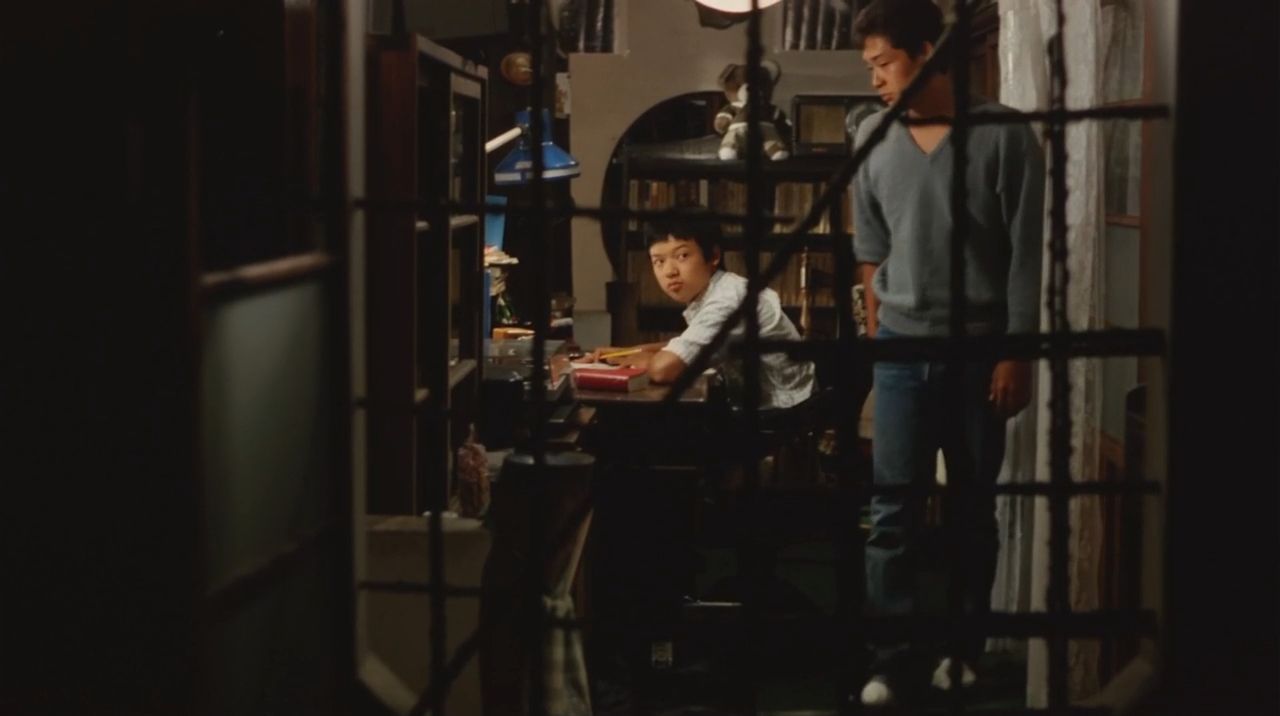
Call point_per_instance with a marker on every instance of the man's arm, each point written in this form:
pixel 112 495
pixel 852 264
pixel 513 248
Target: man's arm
pixel 1022 196
pixel 866 272
pixel 870 235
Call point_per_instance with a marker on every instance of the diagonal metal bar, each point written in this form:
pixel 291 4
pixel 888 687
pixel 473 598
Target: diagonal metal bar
pixel 1077 344
pixel 1132 112
pixel 528 575
pixel 445 674
pixel 833 189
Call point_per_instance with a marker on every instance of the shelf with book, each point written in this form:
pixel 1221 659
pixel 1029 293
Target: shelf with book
pixel 426 114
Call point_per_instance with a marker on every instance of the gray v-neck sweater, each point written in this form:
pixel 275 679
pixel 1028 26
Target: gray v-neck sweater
pixel 902 221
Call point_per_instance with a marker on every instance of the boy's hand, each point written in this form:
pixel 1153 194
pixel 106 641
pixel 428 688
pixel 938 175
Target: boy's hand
pixel 1010 387
pixel 594 356
pixel 634 355
pixel 640 359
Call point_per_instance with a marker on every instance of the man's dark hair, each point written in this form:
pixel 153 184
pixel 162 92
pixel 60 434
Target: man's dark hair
pixel 907 24
pixel 693 223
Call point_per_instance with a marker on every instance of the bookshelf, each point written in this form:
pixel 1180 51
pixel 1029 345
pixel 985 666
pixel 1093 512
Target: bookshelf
pixel 427 109
pixel 791 187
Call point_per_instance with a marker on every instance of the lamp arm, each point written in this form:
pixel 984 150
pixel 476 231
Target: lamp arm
pixel 502 139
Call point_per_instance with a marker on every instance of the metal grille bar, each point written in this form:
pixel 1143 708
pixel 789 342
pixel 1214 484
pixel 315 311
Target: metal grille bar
pixel 1059 601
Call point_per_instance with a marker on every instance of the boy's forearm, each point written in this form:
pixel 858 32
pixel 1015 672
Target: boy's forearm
pixel 665 367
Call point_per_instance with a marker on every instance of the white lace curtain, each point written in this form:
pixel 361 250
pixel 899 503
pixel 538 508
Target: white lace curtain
pixel 1026 27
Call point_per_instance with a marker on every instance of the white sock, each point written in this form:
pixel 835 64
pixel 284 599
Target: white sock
pixel 877 692
pixel 942 675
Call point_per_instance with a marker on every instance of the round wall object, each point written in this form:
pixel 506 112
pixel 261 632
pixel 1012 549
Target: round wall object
pixel 517 68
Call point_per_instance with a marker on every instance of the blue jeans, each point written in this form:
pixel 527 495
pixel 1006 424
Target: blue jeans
pixel 919 409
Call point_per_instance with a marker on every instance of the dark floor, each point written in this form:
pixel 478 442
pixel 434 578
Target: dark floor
pixel 799 664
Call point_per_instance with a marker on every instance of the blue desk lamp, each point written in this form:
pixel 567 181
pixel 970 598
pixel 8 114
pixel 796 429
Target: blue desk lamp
pixel 517 167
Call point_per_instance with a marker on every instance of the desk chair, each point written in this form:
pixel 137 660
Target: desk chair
pixel 795 503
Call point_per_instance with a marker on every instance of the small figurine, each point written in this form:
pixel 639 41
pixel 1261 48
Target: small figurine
pixel 731 121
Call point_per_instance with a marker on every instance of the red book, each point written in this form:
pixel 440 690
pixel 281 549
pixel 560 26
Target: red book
pixel 622 379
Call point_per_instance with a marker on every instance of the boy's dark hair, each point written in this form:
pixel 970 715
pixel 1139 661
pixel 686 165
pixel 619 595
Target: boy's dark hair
pixel 907 24
pixel 686 222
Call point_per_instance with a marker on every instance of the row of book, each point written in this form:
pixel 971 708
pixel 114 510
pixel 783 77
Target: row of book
pixel 791 199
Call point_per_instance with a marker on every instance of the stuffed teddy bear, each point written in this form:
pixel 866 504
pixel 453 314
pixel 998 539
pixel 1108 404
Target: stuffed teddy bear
pixel 731 121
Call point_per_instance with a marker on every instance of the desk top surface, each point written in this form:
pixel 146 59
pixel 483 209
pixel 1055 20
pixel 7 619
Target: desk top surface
pixel 652 395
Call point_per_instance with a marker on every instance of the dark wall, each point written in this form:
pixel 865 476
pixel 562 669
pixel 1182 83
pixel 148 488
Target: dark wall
pixel 106 522
pixel 100 505
pixel 1222 562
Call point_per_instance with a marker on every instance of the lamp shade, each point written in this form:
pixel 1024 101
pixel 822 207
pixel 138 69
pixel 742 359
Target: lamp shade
pixel 735 5
pixel 517 167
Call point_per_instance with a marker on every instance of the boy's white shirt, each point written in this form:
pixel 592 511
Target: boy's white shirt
pixel 783 382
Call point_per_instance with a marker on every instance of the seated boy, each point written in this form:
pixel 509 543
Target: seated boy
pixel 686 259
pixel 685 255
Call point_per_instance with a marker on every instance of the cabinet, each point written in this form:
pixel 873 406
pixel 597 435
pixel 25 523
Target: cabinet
pixel 426 129
pixel 791 187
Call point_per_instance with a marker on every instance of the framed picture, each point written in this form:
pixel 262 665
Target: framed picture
pixel 827 123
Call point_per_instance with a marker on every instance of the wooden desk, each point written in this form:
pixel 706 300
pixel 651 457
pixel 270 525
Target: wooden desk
pixel 638 428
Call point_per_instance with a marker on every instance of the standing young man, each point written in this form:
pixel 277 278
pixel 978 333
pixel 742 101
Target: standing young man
pixel 903 234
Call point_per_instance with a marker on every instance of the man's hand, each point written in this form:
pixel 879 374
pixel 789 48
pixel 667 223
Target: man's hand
pixel 1010 387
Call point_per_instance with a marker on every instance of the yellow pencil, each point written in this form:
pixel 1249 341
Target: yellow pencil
pixel 619 354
